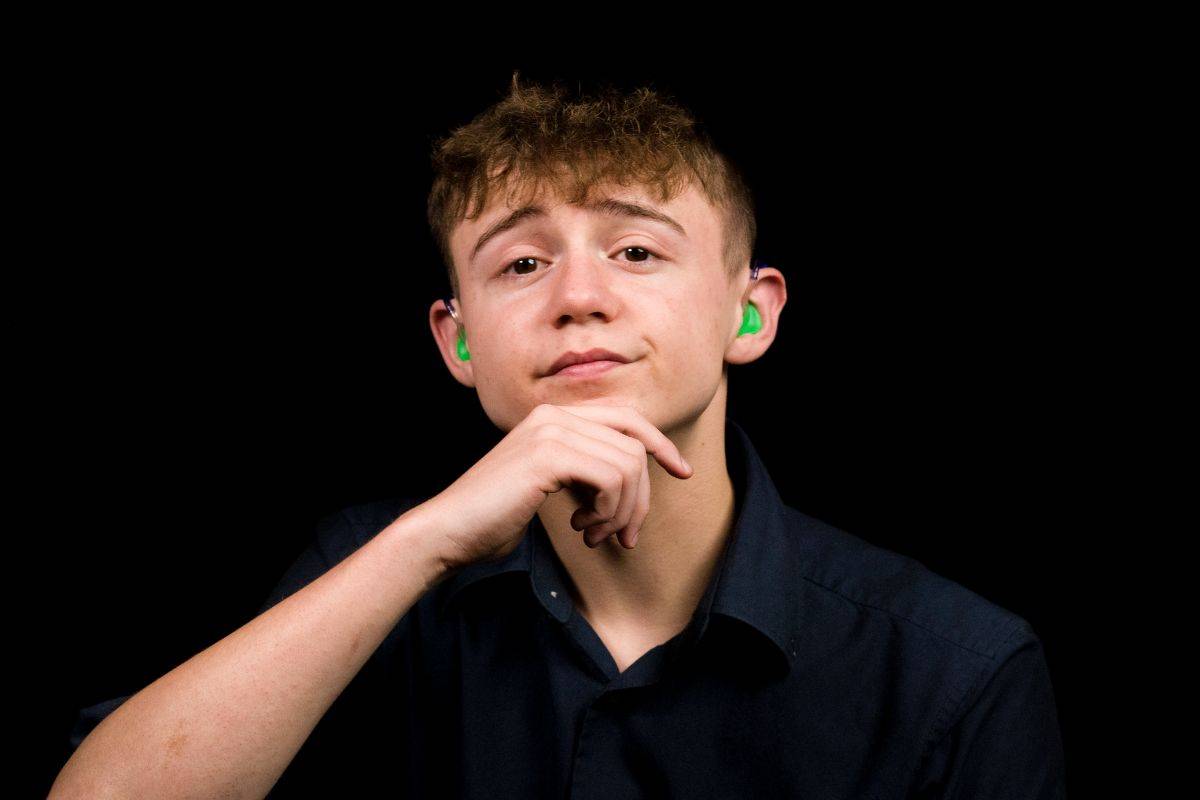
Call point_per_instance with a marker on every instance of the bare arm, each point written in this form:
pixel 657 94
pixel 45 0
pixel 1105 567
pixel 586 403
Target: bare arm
pixel 227 722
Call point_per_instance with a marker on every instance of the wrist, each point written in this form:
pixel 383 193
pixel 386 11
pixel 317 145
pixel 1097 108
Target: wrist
pixel 417 534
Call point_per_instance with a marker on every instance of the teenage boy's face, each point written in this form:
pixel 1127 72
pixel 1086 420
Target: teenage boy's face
pixel 652 288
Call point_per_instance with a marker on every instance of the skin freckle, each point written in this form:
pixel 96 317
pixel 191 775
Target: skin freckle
pixel 175 744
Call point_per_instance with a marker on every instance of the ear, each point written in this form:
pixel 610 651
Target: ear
pixel 445 332
pixel 769 295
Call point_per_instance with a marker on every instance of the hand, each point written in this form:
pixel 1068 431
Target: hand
pixel 597 452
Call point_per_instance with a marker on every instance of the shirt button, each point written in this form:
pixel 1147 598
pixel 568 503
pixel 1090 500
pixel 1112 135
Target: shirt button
pixel 554 594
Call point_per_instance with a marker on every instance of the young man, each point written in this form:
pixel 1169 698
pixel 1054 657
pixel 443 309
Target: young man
pixel 614 601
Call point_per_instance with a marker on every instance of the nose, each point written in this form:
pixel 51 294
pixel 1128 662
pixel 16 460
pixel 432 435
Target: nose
pixel 582 287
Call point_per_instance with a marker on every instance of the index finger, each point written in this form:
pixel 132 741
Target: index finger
pixel 629 420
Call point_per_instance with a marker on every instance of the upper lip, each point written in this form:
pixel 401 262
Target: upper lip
pixel 595 354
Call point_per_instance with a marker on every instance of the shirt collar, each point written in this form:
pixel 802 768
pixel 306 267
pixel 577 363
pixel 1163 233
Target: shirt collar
pixel 756 582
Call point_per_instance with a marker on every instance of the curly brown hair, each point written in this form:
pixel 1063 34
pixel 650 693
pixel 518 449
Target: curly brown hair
pixel 538 135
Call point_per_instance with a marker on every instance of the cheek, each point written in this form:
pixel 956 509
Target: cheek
pixel 506 361
pixel 696 323
pixel 501 343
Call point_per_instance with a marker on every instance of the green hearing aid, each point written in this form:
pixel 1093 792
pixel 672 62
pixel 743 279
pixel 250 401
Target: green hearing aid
pixel 751 320
pixel 463 353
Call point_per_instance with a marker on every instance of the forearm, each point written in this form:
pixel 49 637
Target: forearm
pixel 227 722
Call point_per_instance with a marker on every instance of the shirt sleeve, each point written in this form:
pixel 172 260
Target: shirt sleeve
pixel 1007 743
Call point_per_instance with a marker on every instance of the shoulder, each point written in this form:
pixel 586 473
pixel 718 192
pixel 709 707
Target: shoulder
pixel 892 622
pixel 869 580
pixel 967 677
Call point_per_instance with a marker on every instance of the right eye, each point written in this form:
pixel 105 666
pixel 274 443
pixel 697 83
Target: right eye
pixel 516 262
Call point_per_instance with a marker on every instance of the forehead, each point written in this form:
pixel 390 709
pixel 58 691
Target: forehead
pixel 688 216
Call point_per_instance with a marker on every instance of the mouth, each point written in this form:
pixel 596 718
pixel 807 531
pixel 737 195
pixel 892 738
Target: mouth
pixel 587 369
pixel 592 361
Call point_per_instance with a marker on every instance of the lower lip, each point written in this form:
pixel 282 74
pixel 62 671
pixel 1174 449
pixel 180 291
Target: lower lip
pixel 587 369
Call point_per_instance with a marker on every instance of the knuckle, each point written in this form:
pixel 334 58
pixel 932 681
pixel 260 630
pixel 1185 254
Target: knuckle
pixel 616 477
pixel 634 466
pixel 613 482
pixel 547 431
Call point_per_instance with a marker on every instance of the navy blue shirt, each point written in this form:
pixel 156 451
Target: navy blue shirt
pixel 817 665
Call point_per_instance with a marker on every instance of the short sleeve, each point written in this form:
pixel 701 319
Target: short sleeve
pixel 1007 743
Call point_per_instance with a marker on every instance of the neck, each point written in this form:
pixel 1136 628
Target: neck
pixel 659 583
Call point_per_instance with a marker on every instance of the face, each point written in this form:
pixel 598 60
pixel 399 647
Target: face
pixel 651 287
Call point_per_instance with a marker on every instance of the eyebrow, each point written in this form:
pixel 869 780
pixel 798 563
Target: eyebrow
pixel 606 205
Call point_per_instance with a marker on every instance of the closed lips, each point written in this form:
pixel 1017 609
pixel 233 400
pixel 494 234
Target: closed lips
pixel 596 354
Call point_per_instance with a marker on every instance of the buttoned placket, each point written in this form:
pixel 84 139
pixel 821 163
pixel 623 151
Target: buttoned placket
pixel 548 581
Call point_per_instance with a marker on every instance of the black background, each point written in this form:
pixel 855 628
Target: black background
pixel 239 271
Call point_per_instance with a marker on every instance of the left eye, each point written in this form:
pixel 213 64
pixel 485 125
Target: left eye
pixel 641 249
